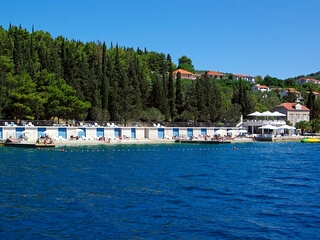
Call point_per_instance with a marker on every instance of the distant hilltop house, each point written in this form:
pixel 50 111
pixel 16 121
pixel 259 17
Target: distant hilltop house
pixel 303 80
pixel 216 75
pixel 184 74
pixel 243 77
pixel 285 93
pixel 294 112
pixel 212 74
pixel 261 88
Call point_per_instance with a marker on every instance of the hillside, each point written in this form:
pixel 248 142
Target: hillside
pixel 315 75
pixel 50 78
pixel 43 78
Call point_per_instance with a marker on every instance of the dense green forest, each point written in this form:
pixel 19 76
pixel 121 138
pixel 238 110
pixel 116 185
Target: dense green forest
pixel 43 78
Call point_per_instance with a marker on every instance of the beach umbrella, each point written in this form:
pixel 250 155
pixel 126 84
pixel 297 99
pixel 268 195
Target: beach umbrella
pixel 231 132
pixel 221 132
pixel 26 132
pixel 47 132
pixel 80 132
pixel 266 114
pixel 268 126
pixel 278 114
pixel 255 114
pixel 286 127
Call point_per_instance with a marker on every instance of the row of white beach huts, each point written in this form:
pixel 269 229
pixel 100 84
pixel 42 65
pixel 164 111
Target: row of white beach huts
pixel 153 133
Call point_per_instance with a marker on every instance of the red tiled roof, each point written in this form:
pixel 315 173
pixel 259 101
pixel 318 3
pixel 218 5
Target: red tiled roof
pixel 292 106
pixel 314 93
pixel 214 73
pixel 309 79
pixel 241 75
pixel 261 86
pixel 293 90
pixel 182 71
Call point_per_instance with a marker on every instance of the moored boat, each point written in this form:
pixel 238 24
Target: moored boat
pixel 310 140
pixel 14 142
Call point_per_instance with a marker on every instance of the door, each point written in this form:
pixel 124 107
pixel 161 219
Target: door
pixel 19 131
pixel 176 132
pixel 116 132
pixel 189 132
pixel 62 133
pixel 40 132
pixel 203 131
pixel 100 132
pixel 161 133
pixel 133 133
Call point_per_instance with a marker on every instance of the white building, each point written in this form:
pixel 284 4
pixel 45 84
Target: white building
pixel 261 88
pixel 243 77
pixel 301 81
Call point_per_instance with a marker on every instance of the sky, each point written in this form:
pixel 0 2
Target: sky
pixel 280 38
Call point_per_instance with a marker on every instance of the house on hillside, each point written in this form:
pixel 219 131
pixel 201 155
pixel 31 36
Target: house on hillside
pixel 243 77
pixel 303 80
pixel 285 93
pixel 315 94
pixel 216 75
pixel 294 112
pixel 184 74
pixel 261 88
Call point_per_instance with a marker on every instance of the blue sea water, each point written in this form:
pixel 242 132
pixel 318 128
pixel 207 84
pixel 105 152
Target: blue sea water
pixel 178 191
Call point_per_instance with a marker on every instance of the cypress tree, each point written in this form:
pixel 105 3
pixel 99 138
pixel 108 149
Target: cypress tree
pixel 158 98
pixel 171 92
pixel 215 106
pixel 114 93
pixel 104 82
pixel 310 103
pixel 124 90
pixel 179 97
pixel 17 51
pixel 207 96
pixel 201 109
pixel 135 91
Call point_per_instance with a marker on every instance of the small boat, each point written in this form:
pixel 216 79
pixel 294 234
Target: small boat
pixel 310 140
pixel 14 142
pixel 220 141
